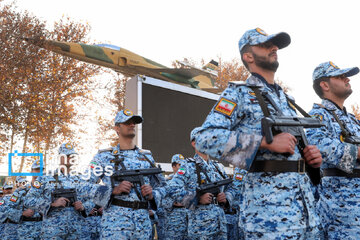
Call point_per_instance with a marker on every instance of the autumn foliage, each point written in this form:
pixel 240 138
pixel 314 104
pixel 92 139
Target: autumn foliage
pixel 39 89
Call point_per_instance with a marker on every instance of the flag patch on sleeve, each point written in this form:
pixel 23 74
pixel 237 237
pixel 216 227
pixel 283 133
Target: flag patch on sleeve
pixel 225 107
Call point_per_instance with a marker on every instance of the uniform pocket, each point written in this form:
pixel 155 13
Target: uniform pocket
pixel 270 189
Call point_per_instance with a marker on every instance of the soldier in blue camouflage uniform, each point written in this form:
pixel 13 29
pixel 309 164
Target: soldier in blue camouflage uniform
pixel 277 203
pixel 31 224
pixel 6 213
pixel 235 231
pixel 339 143
pixel 1 223
pixel 16 211
pixel 127 215
pixel 175 219
pixel 62 219
pixel 206 219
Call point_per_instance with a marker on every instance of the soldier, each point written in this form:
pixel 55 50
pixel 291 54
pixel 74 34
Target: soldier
pixel 16 210
pixel 277 200
pixel 31 224
pixel 63 216
pixel 339 143
pixel 206 219
pixel 174 225
pixel 7 217
pixel 127 216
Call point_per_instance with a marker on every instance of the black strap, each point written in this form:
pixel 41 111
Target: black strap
pixel 344 132
pixel 198 170
pixel 217 168
pixel 334 172
pixel 302 111
pixel 121 162
pixel 128 204
pixel 261 100
pixel 56 176
pixel 280 166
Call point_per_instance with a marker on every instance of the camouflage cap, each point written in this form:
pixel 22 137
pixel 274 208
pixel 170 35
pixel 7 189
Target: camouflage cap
pixel 257 36
pixel 36 164
pixel 177 158
pixel 329 69
pixel 7 185
pixel 125 115
pixel 193 133
pixel 67 149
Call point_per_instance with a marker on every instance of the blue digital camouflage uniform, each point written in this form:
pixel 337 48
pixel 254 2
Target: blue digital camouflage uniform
pixel 59 223
pixel 204 221
pixel 175 218
pixel 8 229
pixel 122 222
pixel 339 204
pixel 30 228
pixel 235 231
pixel 25 229
pixel 92 227
pixel 9 215
pixel 274 205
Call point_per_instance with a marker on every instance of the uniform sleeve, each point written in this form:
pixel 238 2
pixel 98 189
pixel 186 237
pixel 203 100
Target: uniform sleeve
pixel 335 152
pixel 181 189
pixel 16 205
pixel 220 136
pixel 36 199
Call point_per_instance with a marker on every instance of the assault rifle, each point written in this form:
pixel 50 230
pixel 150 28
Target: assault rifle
pixel 66 193
pixel 273 125
pixel 135 176
pixel 213 187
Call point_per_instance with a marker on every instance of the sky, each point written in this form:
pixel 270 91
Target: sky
pixel 165 31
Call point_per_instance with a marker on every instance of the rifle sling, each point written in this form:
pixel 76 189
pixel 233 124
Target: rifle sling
pixel 198 170
pixel 261 100
pixel 121 162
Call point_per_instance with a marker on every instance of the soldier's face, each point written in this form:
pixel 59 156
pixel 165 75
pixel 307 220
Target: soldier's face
pixel 340 86
pixel 176 167
pixel 265 56
pixel 8 191
pixel 126 129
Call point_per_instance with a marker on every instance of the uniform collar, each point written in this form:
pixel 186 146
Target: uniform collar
pixel 258 80
pixel 332 105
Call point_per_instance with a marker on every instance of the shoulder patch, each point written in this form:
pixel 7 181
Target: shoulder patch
pixel 225 107
pixel 181 171
pixel 105 150
pixel 2 202
pixel 239 176
pixel 13 198
pixel 36 184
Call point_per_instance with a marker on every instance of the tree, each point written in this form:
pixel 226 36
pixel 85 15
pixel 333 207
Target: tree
pixel 39 88
pixel 230 71
pixel 356 111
